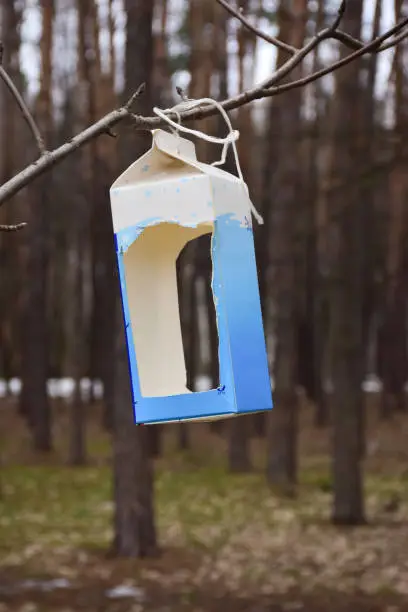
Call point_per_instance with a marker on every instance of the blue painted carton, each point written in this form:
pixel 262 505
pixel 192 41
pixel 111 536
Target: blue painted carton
pixel 161 202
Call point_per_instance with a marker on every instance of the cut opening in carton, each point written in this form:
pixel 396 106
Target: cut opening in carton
pixel 198 314
pixel 153 301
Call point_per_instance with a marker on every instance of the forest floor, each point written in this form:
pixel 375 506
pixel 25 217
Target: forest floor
pixel 228 542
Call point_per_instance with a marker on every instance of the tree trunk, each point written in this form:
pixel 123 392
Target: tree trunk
pixel 394 329
pixel 10 251
pixel 35 348
pixel 77 446
pixel 135 533
pixel 102 162
pixel 239 444
pixel 154 435
pixel 316 299
pixel 347 301
pixel 283 187
pixel 77 449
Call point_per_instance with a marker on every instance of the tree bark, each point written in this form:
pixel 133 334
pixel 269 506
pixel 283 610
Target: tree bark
pixel 134 524
pixel 239 460
pixel 284 189
pixel 135 532
pixel 393 346
pixel 347 301
pixel 10 251
pixel 35 347
pixel 188 314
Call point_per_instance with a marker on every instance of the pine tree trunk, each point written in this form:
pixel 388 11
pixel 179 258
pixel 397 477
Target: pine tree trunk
pixel 77 449
pixel 282 185
pixel 239 444
pixel 10 251
pixel 77 446
pixel 347 301
pixel 134 524
pixel 394 330
pixel 35 347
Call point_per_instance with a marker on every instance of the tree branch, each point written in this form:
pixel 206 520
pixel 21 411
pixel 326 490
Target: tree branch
pixel 269 39
pixel 335 33
pixel 50 158
pixel 139 92
pixel 22 105
pixel 354 43
pixel 266 89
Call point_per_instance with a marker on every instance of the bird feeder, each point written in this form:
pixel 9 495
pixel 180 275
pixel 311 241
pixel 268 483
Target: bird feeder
pixel 162 201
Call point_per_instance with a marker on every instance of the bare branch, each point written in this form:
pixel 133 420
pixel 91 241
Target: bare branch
pixel 270 39
pixel 300 54
pixel 355 44
pixel 266 89
pixel 22 105
pixel 12 228
pixel 340 15
pixel 47 161
pixel 373 46
pixel 50 158
pixel 394 42
pixel 139 92
pixel 333 32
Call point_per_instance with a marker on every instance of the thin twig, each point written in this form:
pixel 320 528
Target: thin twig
pixel 12 228
pixel 394 42
pixel 369 48
pixel 339 16
pixel 45 162
pixel 335 33
pixel 24 110
pixel 269 39
pixel 264 90
pixel 22 105
pixel 355 44
pixel 300 54
pixel 139 92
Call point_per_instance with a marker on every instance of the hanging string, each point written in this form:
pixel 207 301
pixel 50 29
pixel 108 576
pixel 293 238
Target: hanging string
pixel 229 140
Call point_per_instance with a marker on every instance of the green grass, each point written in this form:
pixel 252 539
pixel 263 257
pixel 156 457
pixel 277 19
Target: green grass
pixel 213 526
pixel 204 507
pixel 53 506
pixel 235 526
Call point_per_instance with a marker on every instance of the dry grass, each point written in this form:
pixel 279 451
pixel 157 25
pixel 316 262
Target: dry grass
pixel 228 542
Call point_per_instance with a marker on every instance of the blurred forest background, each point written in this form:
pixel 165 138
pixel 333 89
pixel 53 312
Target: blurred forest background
pixel 252 513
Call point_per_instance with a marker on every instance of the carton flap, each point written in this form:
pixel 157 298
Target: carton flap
pixel 174 145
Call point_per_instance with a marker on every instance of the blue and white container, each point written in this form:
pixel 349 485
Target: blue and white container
pixel 161 202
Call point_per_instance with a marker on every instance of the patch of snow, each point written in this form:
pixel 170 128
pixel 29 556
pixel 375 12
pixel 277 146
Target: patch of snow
pixel 98 389
pixel 45 585
pixel 202 383
pixel 372 384
pixel 15 386
pixel 124 591
pixel 64 388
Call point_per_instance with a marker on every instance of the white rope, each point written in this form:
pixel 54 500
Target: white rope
pixel 230 139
